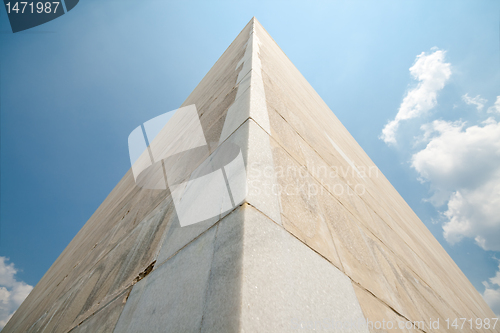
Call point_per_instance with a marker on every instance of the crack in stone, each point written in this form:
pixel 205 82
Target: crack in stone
pixel 144 273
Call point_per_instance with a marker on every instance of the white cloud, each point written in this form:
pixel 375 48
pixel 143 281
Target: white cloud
pixel 477 101
pixel 462 165
pixel 12 292
pixel 492 293
pixel 432 73
pixel 496 107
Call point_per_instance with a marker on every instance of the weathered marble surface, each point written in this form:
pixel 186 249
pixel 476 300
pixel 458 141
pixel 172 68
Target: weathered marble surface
pixel 379 242
pixel 124 236
pixel 245 273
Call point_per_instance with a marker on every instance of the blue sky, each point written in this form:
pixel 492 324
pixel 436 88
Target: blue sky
pixel 74 88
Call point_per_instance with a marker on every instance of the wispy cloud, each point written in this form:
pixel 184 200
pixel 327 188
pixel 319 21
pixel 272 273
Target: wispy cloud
pixel 477 101
pixel 12 292
pixel 496 107
pixel 432 73
pixel 492 292
pixel 462 165
pixel 459 160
